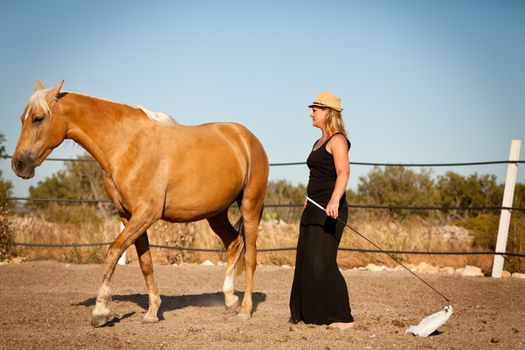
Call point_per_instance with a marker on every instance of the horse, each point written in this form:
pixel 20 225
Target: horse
pixel 156 169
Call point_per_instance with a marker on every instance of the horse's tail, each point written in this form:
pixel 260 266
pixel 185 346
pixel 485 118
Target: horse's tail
pixel 240 248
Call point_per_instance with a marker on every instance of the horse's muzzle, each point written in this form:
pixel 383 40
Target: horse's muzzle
pixel 23 165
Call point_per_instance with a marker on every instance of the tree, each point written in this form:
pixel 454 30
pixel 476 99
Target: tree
pixel 82 179
pixel 6 188
pixel 6 231
pixel 397 185
pixel 473 191
pixel 2 147
pixel 283 192
pixel 519 195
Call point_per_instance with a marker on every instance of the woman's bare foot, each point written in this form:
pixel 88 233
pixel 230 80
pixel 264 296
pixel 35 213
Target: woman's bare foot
pixel 342 325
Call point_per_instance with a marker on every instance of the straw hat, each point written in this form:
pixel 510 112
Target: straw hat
pixel 327 100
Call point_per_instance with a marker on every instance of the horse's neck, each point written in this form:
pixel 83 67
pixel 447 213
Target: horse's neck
pixel 96 125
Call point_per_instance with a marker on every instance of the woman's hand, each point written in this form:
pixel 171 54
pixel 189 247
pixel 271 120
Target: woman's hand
pixel 332 208
pixel 305 203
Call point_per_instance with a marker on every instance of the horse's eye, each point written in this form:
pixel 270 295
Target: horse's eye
pixel 38 119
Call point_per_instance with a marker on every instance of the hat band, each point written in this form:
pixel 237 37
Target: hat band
pixel 322 105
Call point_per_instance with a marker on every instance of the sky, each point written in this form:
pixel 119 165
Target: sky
pixel 420 81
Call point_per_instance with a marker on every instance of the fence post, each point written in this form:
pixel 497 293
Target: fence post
pixel 504 219
pixel 122 259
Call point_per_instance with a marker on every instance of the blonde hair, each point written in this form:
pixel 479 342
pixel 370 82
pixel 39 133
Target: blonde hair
pixel 38 99
pixel 334 122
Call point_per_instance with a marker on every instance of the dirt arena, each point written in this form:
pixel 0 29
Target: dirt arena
pixel 47 305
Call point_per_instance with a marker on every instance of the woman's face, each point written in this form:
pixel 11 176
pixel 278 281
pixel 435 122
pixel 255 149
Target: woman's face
pixel 319 116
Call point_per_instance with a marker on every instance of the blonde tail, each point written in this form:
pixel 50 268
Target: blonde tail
pixel 240 248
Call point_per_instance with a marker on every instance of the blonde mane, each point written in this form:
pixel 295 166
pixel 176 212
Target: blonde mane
pixel 159 117
pixel 38 99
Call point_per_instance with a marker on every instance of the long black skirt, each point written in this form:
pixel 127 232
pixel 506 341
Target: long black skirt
pixel 319 293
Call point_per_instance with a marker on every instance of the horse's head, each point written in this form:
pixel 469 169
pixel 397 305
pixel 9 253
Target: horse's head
pixel 42 130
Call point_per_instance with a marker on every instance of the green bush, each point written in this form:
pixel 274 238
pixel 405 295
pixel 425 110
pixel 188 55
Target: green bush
pixel 484 229
pixel 71 214
pixel 283 192
pixel 6 234
pixel 398 186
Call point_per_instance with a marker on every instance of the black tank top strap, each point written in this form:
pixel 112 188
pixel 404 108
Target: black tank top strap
pixel 337 133
pixel 328 139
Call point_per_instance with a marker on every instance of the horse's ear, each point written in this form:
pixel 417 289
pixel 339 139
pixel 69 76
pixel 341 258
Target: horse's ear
pixel 53 93
pixel 39 85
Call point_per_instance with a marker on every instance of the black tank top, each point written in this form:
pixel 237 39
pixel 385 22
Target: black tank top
pixel 323 174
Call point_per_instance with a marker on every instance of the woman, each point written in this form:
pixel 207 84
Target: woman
pixel 319 294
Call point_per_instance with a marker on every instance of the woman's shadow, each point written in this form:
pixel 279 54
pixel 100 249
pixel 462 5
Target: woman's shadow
pixel 171 303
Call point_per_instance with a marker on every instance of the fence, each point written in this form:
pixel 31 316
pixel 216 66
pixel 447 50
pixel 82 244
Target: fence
pixel 506 209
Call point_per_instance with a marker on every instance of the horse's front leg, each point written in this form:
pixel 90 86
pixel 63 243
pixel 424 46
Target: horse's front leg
pixel 137 224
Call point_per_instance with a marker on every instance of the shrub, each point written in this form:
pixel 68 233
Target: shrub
pixel 6 234
pixel 484 229
pixel 71 214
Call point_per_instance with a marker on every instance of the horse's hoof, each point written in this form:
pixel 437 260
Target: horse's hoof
pixel 150 319
pixel 99 320
pixel 244 316
pixel 233 308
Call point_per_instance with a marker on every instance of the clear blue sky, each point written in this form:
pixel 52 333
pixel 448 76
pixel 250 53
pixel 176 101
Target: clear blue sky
pixel 420 81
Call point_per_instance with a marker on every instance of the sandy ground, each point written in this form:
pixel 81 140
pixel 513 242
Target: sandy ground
pixel 48 305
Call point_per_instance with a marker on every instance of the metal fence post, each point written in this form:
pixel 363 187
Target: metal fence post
pixel 504 219
pixel 122 260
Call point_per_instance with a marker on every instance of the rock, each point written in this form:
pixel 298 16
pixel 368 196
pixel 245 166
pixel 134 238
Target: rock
pixel 17 260
pixel 494 340
pixel 207 263
pixel 286 266
pixel 375 268
pixel 470 270
pixel 459 270
pixel 411 267
pixel 518 275
pixel 449 233
pixel 448 269
pixel 426 268
pixel 505 274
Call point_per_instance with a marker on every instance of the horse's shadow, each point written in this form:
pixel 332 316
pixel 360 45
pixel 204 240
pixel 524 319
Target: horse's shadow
pixel 171 303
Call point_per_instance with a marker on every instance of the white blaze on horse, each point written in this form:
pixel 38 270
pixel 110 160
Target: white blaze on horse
pixel 156 169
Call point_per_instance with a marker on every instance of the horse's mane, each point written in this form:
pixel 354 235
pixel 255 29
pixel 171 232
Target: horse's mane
pixel 159 117
pixel 38 99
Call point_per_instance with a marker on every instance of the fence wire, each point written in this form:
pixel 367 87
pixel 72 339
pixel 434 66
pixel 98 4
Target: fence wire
pixel 353 163
pixel 264 250
pixel 355 206
pixel 364 206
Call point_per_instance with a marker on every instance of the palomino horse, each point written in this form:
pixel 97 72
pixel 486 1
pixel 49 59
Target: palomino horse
pixel 155 169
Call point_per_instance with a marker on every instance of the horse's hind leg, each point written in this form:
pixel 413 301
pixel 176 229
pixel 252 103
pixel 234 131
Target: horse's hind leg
pixel 233 242
pixel 146 265
pixel 251 210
